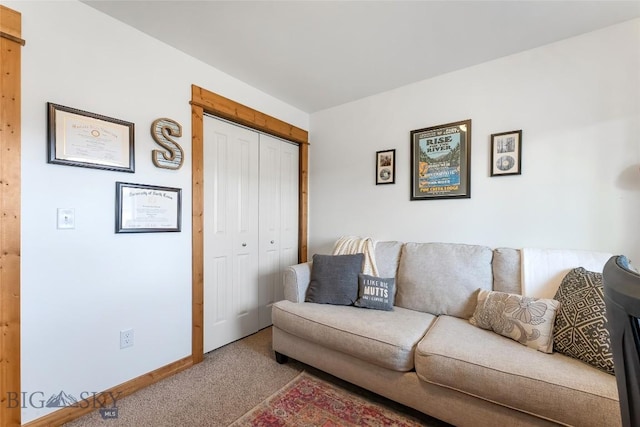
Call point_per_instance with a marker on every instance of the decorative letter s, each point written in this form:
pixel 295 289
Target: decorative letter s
pixel 161 131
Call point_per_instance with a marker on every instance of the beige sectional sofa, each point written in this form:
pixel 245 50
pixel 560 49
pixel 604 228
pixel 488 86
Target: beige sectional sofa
pixel 426 355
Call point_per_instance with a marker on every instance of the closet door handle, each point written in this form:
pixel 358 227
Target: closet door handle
pixel 244 244
pixel 272 242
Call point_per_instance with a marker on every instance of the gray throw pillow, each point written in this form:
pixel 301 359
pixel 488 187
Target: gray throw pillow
pixel 376 292
pixel 580 329
pixel 334 279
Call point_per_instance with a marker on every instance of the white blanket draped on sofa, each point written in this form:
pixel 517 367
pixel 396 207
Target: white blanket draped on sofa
pixel 348 245
pixel 544 269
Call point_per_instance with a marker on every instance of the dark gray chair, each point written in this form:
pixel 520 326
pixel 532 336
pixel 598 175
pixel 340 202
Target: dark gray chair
pixel 622 299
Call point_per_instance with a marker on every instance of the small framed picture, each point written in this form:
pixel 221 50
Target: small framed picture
pixel 386 167
pixel 506 153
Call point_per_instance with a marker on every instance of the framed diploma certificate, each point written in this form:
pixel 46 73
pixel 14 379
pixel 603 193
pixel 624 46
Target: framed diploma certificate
pixel 147 208
pixel 79 138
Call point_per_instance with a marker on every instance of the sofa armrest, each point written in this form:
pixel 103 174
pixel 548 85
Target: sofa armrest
pixel 296 281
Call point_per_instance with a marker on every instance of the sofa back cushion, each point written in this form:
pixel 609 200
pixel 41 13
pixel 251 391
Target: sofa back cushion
pixel 387 258
pixel 443 278
pixel 507 276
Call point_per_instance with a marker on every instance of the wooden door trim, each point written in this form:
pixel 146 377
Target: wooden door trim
pixel 204 101
pixel 228 109
pixel 10 146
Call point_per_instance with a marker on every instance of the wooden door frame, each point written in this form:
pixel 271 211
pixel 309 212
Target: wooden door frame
pixel 10 145
pixel 204 101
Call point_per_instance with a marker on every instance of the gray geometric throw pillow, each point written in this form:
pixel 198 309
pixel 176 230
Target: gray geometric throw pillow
pixel 580 330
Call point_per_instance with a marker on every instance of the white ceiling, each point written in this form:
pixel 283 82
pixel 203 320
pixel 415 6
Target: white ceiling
pixel 319 54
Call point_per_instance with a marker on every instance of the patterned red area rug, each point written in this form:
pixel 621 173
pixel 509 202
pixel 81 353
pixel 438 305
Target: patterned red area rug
pixel 310 401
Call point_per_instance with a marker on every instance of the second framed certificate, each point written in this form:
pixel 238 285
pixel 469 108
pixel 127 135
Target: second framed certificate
pixel 147 208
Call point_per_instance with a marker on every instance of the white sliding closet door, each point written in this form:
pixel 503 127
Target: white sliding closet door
pixel 278 219
pixel 231 223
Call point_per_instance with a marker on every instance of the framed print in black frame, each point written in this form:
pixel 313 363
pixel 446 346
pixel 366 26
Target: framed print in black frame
pixel 506 153
pixel 386 167
pixel 441 161
pixel 147 208
pixel 80 138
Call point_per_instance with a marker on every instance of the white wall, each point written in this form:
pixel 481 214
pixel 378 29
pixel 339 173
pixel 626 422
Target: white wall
pixel 578 104
pixel 81 287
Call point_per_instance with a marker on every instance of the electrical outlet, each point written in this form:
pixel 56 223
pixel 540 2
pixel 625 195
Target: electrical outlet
pixel 126 338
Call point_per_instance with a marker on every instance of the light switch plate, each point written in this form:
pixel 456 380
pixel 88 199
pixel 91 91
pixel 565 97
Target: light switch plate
pixel 66 218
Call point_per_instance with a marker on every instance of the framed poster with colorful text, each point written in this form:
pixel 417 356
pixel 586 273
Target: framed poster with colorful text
pixel 441 162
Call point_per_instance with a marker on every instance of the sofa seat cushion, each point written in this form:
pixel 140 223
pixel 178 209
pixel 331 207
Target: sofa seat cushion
pixel 480 363
pixel 384 338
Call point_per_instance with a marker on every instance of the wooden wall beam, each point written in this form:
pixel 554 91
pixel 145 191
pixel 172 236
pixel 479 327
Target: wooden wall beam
pixel 11 23
pixel 10 141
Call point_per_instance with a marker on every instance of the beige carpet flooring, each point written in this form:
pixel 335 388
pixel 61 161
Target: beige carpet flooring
pixel 228 383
